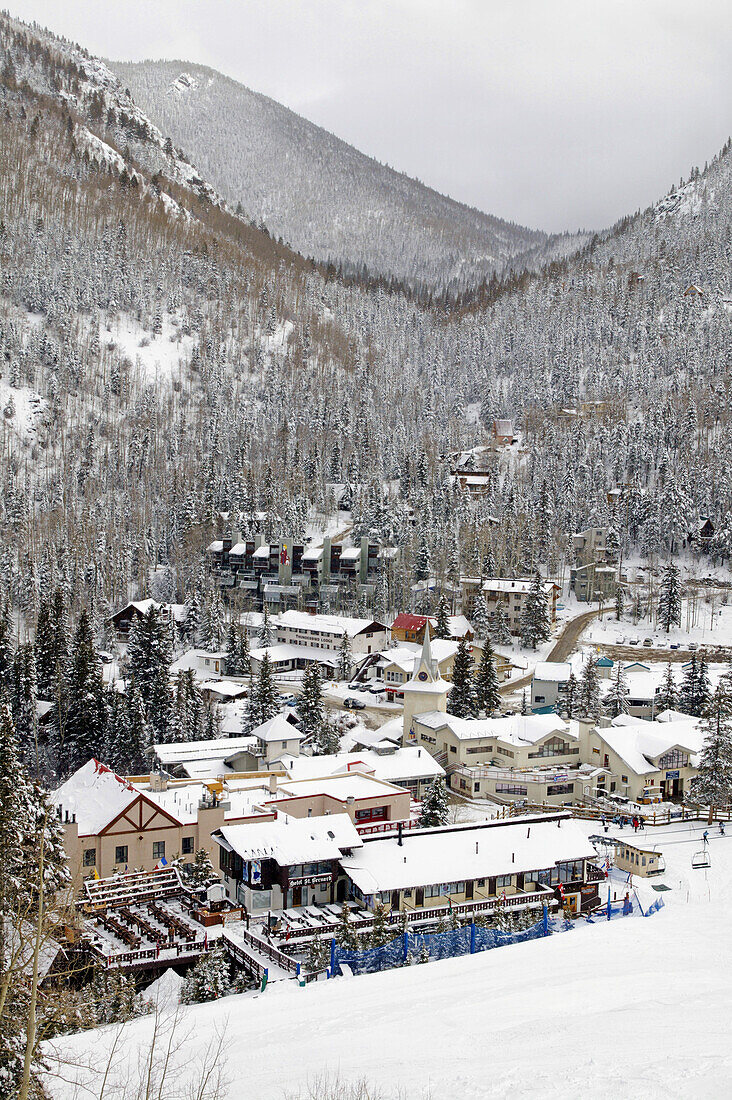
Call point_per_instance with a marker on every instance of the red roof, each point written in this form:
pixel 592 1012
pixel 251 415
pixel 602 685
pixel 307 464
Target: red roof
pixel 406 621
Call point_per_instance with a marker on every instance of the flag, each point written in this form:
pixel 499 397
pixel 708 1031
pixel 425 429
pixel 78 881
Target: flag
pixel 96 873
pixel 162 862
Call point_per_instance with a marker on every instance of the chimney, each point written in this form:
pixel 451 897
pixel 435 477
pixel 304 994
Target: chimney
pixel 73 819
pixel 400 836
pixel 66 819
pixel 476 847
pixel 273 784
pixel 350 800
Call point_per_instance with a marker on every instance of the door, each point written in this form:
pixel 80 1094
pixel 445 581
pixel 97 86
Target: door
pixel 395 900
pixel 469 890
pixel 296 896
pixel 419 896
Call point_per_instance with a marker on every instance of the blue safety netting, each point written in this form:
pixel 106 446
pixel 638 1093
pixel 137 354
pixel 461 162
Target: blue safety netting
pixel 410 946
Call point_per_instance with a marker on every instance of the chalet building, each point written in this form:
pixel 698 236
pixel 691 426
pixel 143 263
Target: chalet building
pixel 517 741
pixel 502 433
pixel 593 576
pixel 326 632
pixel 410 628
pixel 371 803
pixel 411 768
pixel 512 594
pixel 123 619
pixel 286 572
pixel 647 761
pixel 112 825
pixel 287 863
pixel 203 663
pixel 486 865
pixel 553 786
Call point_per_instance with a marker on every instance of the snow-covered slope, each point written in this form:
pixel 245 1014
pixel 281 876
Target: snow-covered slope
pixel 321 195
pixel 634 1007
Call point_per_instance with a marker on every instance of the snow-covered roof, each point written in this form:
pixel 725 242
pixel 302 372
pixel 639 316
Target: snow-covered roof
pixel 353 553
pixel 261 552
pixel 402 765
pixel 291 840
pixel 225 688
pixel 96 795
pixel 639 745
pixel 553 671
pixel 313 553
pixel 327 624
pixel 193 660
pixel 277 729
pixel 672 716
pixel 286 651
pixel 406 656
pixel 516 729
pixel 356 783
pixel 180 752
pixel 449 854
pixel 506 584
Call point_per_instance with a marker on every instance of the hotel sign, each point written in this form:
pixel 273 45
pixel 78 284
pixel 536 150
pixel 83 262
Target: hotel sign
pixel 310 880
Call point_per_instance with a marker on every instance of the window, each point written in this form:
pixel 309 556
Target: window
pixel 158 849
pixel 120 853
pixel 623 779
pixel 510 788
pixel 560 788
pixel 673 759
pixel 502 881
pixel 452 748
pixel 187 845
pixel 90 857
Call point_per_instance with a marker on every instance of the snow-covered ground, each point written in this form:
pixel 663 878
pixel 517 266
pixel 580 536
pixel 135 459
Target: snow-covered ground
pixel 625 1008
pixel 158 356
pixel 714 628
pixel 20 409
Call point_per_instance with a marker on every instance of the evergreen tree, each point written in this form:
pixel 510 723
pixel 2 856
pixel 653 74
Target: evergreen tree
pixel 344 657
pixel 209 979
pixel 129 737
pixel 263 701
pixel 200 874
pixel 571 694
pixel 588 700
pixel 487 694
pixel 481 619
pixel 667 696
pixel 326 739
pixel 381 931
pixel 6 645
pixel 442 623
pixel 23 701
pixel 694 692
pixel 86 722
pixel 346 935
pixel 616 700
pixel 619 601
pixel 266 634
pixel 712 785
pixel 669 600
pixel 535 624
pixel 149 657
pixel 501 630
pixel 435 808
pixel 462 700
pixel 234 650
pixel 310 702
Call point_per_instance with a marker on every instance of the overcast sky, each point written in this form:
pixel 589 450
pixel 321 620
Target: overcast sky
pixel 552 113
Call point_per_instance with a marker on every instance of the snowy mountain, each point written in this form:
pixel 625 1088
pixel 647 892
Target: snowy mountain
pixel 324 197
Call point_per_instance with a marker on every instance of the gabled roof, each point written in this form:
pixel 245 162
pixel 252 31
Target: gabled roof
pixel 277 729
pixel 96 795
pixel 290 840
pixel 406 621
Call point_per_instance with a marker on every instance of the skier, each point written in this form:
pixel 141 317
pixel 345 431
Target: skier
pixel 721 828
pixel 705 837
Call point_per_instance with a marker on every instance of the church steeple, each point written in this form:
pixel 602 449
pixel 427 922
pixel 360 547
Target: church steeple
pixel 427 661
pixel 425 691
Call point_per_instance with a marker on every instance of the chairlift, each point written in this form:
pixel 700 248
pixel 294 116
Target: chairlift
pixel 701 859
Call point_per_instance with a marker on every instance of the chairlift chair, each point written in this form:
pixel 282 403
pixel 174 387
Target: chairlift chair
pixel 701 859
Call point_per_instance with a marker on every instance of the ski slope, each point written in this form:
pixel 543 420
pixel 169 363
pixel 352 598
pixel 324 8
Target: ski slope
pixel 631 1007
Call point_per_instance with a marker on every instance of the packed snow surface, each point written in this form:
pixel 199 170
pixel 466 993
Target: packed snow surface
pixel 633 1007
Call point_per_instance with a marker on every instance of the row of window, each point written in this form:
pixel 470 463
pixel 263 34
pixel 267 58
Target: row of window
pixel 121 852
pixel 375 813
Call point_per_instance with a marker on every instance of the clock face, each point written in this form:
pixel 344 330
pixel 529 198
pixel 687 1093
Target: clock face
pixel 422 676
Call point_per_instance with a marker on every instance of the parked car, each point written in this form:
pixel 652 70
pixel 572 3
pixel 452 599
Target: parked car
pixel 620 639
pixel 377 690
pixel 693 645
pixel 648 641
pixel 634 641
pixel 674 645
pixel 353 704
pixel 288 700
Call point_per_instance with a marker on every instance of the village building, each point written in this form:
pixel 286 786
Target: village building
pixel 646 761
pixel 288 862
pixel 123 619
pixel 326 632
pixel 203 663
pixel 411 768
pixel 111 824
pixel 410 628
pixel 593 575
pixel 286 572
pixel 537 786
pixel 516 741
pixel 549 685
pixel 512 595
pixel 483 865
pixel 644 862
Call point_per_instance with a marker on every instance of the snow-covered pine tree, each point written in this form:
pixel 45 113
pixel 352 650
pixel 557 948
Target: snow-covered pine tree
pixel 571 694
pixel 712 785
pixel 234 646
pixel 209 979
pixel 588 700
pixel 23 699
pixel 535 624
pixel 6 644
pixel 442 619
pixel 487 694
pixel 462 701
pixel 500 627
pixel 381 931
pixel 667 696
pixel 619 601
pixel 669 600
pixel 199 874
pixel 616 699
pixel 86 720
pixel 326 739
pixel 346 935
pixel 434 809
pixel 149 657
pixel 344 658
pixel 266 633
pixel 481 619
pixel 310 702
